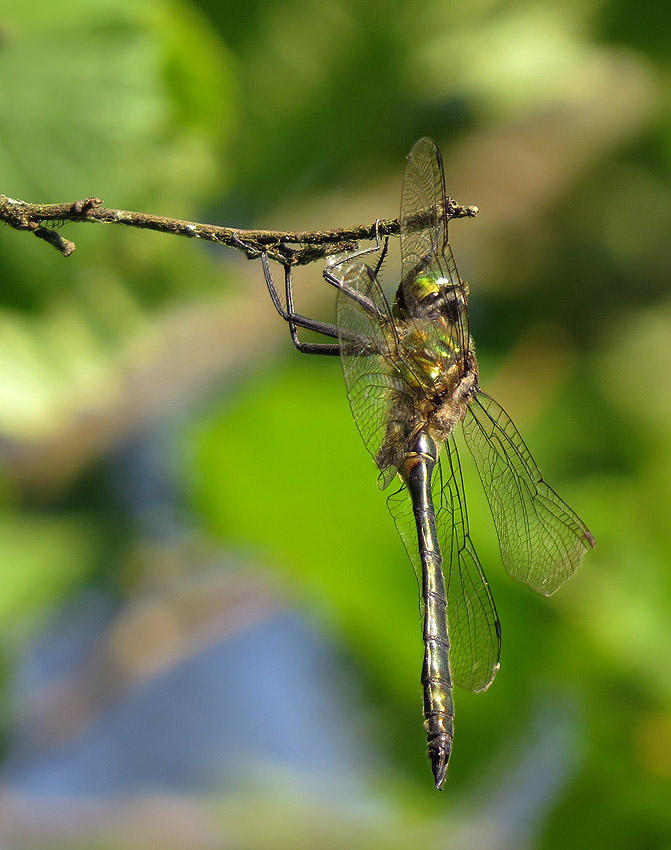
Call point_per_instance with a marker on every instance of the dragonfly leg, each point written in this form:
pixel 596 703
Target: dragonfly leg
pixel 295 320
pixel 383 253
pixel 251 252
pixel 348 260
pixel 355 255
pixel 353 271
pixel 362 252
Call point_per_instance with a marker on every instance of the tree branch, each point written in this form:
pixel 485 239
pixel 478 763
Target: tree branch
pixel 286 247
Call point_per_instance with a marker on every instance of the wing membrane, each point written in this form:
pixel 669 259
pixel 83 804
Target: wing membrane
pixel 425 250
pixel 423 199
pixel 473 625
pixel 377 393
pixel 542 540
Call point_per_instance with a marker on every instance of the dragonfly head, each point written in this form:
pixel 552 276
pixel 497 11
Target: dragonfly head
pixel 432 298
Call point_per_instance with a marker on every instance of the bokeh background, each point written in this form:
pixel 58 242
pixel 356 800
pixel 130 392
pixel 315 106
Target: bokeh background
pixel 209 630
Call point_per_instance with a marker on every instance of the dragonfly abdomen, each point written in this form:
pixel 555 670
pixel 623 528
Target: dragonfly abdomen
pixel 436 680
pixel 416 471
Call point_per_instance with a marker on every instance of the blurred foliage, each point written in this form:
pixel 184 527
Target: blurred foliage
pixel 555 119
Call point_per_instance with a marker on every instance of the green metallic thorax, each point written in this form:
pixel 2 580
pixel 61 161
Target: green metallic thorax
pixel 430 340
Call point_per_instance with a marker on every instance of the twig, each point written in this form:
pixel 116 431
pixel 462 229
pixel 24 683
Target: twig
pixel 278 244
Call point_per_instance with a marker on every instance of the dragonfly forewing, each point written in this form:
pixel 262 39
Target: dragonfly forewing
pixel 542 540
pixel 431 295
pixel 423 214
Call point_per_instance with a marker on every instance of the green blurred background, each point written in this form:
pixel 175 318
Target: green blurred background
pixel 208 626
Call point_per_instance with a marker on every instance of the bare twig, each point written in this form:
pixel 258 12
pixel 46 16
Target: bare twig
pixel 286 247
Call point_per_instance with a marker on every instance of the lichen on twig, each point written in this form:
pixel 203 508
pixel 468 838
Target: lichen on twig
pixel 286 247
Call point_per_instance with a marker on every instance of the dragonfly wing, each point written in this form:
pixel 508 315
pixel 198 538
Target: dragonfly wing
pixel 423 218
pixel 377 393
pixel 542 540
pixel 427 256
pixel 473 625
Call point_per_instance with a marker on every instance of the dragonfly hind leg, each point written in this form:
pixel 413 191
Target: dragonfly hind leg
pixel 295 320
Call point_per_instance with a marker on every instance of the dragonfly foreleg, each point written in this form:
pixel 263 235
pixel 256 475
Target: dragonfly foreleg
pixel 383 252
pixel 362 252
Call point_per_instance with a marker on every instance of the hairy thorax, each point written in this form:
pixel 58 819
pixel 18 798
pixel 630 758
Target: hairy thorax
pixel 443 378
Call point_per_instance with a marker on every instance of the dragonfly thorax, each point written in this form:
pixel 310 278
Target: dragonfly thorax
pixel 453 403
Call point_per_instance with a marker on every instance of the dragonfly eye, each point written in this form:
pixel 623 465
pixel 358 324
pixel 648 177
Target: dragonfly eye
pixel 445 303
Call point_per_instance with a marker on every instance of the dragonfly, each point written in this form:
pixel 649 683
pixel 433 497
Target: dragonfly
pixel 412 377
